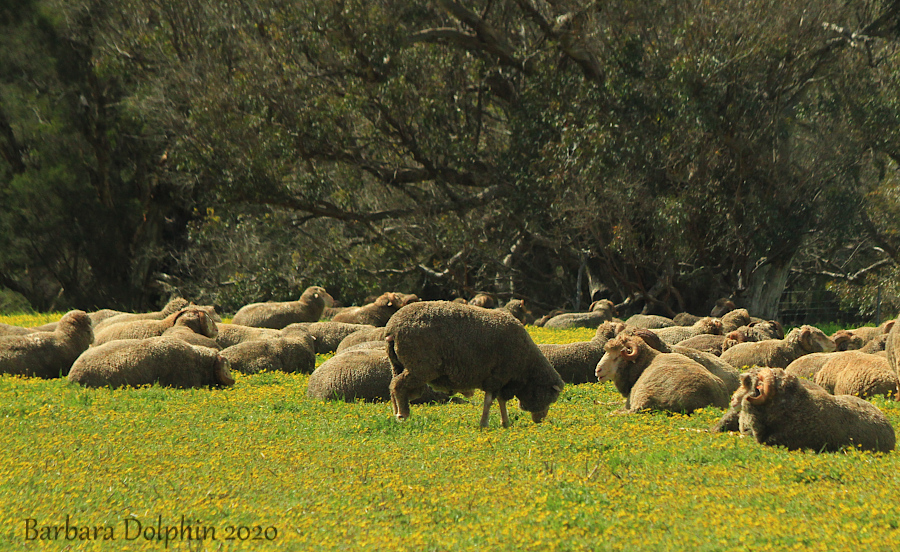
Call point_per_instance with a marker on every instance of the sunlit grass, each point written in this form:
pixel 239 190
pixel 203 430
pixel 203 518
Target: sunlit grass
pixel 338 476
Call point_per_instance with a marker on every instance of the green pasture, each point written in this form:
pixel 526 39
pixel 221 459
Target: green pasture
pixel 261 467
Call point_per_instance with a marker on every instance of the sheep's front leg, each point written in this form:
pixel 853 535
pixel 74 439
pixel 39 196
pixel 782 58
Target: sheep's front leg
pixel 486 412
pixel 504 417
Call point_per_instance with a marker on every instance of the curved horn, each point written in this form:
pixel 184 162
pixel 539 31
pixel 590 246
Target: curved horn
pixel 766 385
pixel 630 352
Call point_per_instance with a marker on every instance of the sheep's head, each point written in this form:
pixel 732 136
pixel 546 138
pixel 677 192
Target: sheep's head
pixel 222 371
pixel 389 299
pixel 198 320
pixel 619 351
pixel 722 307
pixel 77 324
pixel 765 384
pixel 814 340
pixel 846 340
pixel 605 306
pixel 709 325
pixel 537 396
pixel 608 330
pixel 317 294
pixel 736 319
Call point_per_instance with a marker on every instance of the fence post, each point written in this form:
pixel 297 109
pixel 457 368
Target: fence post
pixel 878 307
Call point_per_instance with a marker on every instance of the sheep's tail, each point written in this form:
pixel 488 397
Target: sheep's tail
pixel 396 365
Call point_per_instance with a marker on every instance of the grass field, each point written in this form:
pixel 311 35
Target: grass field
pixel 260 467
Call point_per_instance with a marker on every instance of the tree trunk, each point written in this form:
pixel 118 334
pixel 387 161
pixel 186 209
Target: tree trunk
pixel 763 294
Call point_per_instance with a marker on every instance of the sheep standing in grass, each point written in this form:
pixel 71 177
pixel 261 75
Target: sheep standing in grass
pixel 277 315
pixel 195 318
pixel 778 353
pixel 652 380
pixel 857 373
pixel 167 361
pixel 457 348
pixel 360 374
pixel 778 409
pixel 47 354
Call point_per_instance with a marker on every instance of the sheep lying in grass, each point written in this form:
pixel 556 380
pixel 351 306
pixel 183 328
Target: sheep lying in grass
pixel 650 321
pixel 675 334
pixel 174 305
pixel 734 319
pixel 778 353
pixel 10 330
pixel 857 373
pixel 603 311
pixel 278 314
pixel 373 314
pixel 651 380
pixel 232 334
pixel 708 343
pixel 282 354
pixel 195 318
pixel 368 333
pixel 779 409
pixel 185 333
pixel 848 340
pixel 47 354
pixel 167 361
pixel 456 348
pixel 329 334
pixel 360 374
pixel 807 366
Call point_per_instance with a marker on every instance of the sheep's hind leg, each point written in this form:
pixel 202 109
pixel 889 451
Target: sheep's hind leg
pixel 504 416
pixel 400 396
pixel 486 412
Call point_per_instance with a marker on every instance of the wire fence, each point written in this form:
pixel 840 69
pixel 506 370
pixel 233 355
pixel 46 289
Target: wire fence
pixel 818 306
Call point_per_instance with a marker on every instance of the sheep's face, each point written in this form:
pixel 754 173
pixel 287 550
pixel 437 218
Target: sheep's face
pixel 814 340
pixel 845 340
pixel 537 398
pixel 198 321
pixel 222 371
pixel 610 364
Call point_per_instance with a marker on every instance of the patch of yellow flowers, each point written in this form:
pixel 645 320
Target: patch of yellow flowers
pixel 261 467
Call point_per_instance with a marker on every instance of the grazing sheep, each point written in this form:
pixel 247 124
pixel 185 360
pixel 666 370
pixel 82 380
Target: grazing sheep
pixel 360 374
pixel 778 409
pixel 807 366
pixel 734 319
pixel 195 318
pixel 456 348
pixel 282 354
pixel 277 315
pixel 232 334
pixel 368 333
pixel 708 343
pixel 165 360
pixel 373 314
pixel 47 354
pixel 778 353
pixel 857 373
pixel 675 334
pixel 652 380
pixel 328 334
pixel 174 305
pixel 650 321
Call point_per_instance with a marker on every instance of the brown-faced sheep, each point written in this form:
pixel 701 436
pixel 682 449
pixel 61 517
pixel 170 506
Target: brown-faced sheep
pixel 167 361
pixel 47 354
pixel 281 354
pixel 857 373
pixel 807 366
pixel 650 321
pixel 676 334
pixel 722 307
pixel 778 353
pixel 174 305
pixel 734 319
pixel 368 333
pixel 277 315
pixel 328 334
pixel 373 314
pixel 779 410
pixel 360 374
pixel 651 380
pixel 232 334
pixel 195 318
pixel 456 348
pixel 484 300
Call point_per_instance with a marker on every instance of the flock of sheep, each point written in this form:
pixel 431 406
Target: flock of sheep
pixel 803 390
